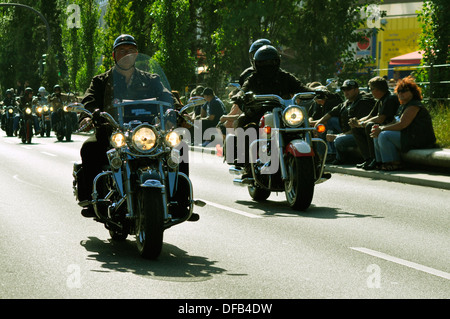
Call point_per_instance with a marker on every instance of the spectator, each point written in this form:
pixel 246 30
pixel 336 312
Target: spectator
pixel 357 104
pixel 382 113
pixel 212 110
pixel 320 107
pixel 413 128
pixel 227 120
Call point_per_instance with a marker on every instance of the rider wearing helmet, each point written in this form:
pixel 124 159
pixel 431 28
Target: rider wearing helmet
pixel 27 100
pixel 122 81
pixel 268 78
pixel 57 100
pixel 253 48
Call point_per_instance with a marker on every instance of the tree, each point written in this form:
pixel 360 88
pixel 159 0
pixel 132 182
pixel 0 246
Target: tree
pixel 171 35
pixel 434 42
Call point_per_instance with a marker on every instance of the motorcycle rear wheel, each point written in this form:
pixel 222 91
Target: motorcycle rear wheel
pixel 258 194
pixel 149 222
pixel 299 187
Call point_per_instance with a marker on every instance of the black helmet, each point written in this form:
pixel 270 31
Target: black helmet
pixel 267 61
pixel 124 39
pixel 28 90
pixel 257 44
pixel 267 52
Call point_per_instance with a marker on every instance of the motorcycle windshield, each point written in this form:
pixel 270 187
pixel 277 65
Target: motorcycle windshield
pixel 141 91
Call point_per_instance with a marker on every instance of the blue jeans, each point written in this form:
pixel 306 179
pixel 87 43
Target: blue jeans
pixel 387 146
pixel 345 146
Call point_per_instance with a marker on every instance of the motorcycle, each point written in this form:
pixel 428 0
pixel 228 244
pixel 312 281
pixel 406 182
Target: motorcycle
pixel 143 191
pixel 284 157
pixel 26 125
pixel 44 116
pixel 64 123
pixel 8 120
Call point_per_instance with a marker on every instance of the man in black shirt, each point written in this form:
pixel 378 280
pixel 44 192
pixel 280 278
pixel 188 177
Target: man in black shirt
pixel 382 113
pixel 357 105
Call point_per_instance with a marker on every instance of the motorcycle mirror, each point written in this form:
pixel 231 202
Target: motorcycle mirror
pixel 75 107
pixel 234 86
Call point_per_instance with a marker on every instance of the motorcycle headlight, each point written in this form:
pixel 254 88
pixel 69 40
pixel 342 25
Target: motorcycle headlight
pixel 45 108
pixel 143 138
pixel 39 109
pixel 51 108
pixel 11 111
pixel 293 116
pixel 173 139
pixel 28 110
pixel 118 140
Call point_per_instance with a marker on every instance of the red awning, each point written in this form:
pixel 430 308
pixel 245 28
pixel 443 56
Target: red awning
pixel 407 59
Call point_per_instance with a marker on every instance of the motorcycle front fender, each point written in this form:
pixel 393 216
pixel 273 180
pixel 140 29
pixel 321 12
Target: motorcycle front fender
pixel 299 148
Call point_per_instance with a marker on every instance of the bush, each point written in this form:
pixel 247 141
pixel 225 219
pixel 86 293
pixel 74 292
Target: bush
pixel 440 114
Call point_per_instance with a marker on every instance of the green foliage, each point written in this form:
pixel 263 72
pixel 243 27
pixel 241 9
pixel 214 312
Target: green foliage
pixel 434 41
pixel 440 114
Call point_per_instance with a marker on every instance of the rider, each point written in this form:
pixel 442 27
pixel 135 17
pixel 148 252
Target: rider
pixel 129 83
pixel 57 101
pixel 42 96
pixel 27 100
pixel 9 100
pixel 269 78
pixel 251 69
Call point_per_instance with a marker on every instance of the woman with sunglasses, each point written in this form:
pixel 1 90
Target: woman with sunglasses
pixel 412 130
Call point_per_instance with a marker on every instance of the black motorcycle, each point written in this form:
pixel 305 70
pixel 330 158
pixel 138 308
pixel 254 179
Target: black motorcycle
pixel 64 125
pixel 44 117
pixel 8 120
pixel 26 125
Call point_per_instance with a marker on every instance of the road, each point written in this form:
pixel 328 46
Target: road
pixel 361 238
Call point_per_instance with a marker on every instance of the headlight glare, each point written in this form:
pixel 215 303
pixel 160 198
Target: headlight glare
pixel 293 116
pixel 173 139
pixel 143 138
pixel 118 140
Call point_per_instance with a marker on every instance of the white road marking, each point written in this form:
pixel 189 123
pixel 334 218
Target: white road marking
pixel 403 262
pixel 49 154
pixel 232 210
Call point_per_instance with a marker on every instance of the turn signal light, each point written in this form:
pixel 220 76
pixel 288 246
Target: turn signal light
pixel 267 129
pixel 320 128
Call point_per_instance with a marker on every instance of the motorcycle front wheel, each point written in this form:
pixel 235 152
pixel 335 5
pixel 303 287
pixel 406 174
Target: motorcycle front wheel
pixel 149 222
pixel 299 187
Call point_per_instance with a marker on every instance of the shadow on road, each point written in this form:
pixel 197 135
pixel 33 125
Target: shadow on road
pixel 277 209
pixel 174 264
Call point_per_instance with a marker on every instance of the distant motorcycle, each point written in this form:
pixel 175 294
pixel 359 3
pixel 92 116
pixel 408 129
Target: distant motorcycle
pixel 44 117
pixel 284 157
pixel 26 125
pixel 8 120
pixel 64 124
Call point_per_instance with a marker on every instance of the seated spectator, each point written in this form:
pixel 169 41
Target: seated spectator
pixel 412 130
pixel 382 113
pixel 357 104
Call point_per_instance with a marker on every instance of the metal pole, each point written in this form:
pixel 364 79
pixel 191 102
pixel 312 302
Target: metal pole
pixel 49 37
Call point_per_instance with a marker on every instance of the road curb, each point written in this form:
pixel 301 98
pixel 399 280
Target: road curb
pixel 420 178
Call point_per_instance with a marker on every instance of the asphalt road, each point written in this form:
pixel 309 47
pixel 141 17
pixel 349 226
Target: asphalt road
pixel 361 238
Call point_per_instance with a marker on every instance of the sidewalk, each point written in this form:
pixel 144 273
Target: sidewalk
pixel 428 178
